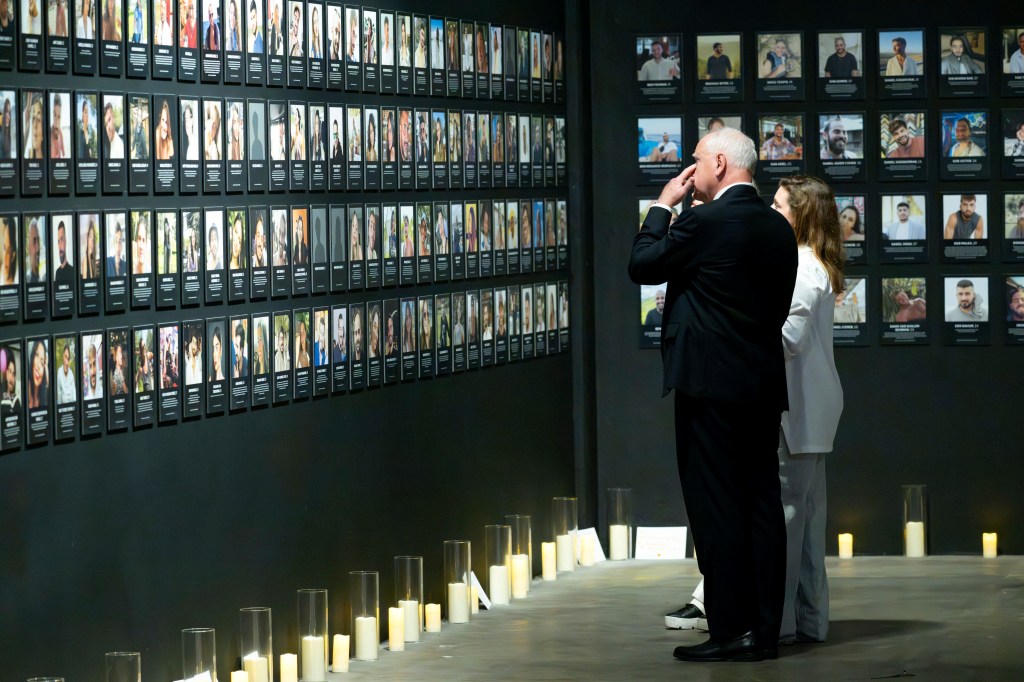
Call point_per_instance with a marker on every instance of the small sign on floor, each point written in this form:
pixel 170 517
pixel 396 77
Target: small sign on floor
pixel 660 542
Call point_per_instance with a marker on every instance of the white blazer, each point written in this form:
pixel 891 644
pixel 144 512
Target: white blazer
pixel 815 394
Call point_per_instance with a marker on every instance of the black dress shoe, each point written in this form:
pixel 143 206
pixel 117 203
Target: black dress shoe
pixel 742 648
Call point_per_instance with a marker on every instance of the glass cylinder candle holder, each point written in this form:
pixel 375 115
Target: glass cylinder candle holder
pixel 915 513
pixel 409 594
pixel 522 554
pixel 457 580
pixel 619 512
pixel 256 643
pixel 563 522
pixel 46 679
pixel 124 666
pixel 364 587
pixel 498 554
pixel 312 631
pixel 199 655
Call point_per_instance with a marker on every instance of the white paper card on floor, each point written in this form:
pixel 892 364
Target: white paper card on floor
pixel 598 550
pixel 480 590
pixel 660 542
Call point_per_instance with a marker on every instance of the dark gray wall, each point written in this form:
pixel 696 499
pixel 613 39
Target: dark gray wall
pixel 935 415
pixel 119 542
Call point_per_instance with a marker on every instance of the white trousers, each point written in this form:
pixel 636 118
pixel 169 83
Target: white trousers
pixel 805 612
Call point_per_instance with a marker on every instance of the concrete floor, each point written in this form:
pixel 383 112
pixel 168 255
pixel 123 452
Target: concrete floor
pixel 940 618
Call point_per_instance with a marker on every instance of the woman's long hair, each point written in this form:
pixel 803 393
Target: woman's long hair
pixel 816 223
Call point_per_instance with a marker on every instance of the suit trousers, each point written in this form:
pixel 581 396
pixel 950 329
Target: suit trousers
pixel 804 504
pixel 729 470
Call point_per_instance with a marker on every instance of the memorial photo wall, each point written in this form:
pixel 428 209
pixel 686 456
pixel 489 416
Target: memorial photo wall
pixel 219 206
pixel 919 131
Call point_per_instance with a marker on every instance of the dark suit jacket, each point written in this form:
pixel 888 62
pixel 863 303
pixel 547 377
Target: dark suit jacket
pixel 112 263
pixel 730 266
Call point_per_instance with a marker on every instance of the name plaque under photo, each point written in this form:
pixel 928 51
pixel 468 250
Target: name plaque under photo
pixel 339 257
pixel 67 386
pixel 84 59
pixel 144 407
pixel 302 383
pixel 162 54
pixel 483 54
pixel 409 356
pixel 966 145
pixel 194 348
pixel 321 352
pixel 58 56
pixel 901 64
pixel 234 118
pixel 259 360
pixel 111 45
pixel 138 40
pixel 962 62
pixel 37 415
pixel 93 382
pixel 118 372
pixel 12 420
pixel 425 339
pixel 278 233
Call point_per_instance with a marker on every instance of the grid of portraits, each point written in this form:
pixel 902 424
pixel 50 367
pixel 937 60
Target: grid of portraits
pixel 925 181
pixel 196 224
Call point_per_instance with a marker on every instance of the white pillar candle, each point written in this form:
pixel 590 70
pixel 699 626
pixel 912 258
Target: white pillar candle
pixel 396 628
pixel 432 615
pixel 458 603
pixel 474 600
pixel 314 659
pixel 587 550
pixel 411 619
pixel 239 676
pixel 289 668
pixel 618 542
pixel 257 666
pixel 565 553
pixel 520 575
pixel 366 638
pixel 339 661
pixel 547 561
pixel 846 545
pixel 989 545
pixel 914 539
pixel 499 585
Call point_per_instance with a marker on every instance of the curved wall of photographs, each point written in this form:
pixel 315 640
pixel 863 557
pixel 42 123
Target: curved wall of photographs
pixel 217 218
pixel 917 123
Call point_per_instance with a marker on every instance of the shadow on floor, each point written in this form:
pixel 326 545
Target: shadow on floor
pixel 847 631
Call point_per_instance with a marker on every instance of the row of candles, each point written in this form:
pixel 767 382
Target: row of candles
pixel 915 512
pixel 509 560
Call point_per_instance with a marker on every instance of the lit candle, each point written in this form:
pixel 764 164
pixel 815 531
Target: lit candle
pixel 314 659
pixel 474 600
pixel 339 663
pixel 618 542
pixel 432 613
pixel 520 575
pixel 989 545
pixel 499 585
pixel 547 561
pixel 587 550
pixel 257 666
pixel 914 539
pixel 565 553
pixel 289 668
pixel 846 545
pixel 366 638
pixel 396 628
pixel 411 607
pixel 239 676
pixel 458 603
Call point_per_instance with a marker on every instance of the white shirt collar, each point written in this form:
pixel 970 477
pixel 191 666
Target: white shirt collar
pixel 730 186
